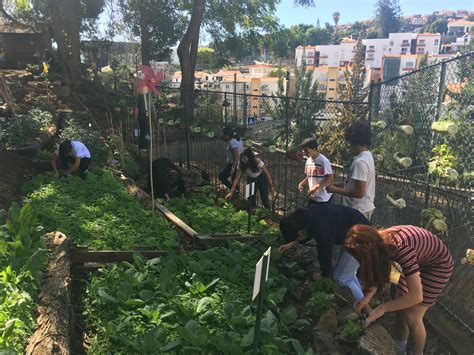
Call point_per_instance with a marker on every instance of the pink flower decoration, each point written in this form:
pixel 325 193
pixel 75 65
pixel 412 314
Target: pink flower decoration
pixel 150 80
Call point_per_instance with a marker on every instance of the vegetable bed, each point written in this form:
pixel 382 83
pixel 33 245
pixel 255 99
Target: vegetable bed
pixel 97 212
pixel 22 260
pixel 209 214
pixel 195 303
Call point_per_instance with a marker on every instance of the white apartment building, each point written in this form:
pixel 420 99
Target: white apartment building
pixel 374 51
pixel 460 27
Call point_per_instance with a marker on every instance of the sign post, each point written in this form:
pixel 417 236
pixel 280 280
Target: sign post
pixel 261 276
pixel 249 192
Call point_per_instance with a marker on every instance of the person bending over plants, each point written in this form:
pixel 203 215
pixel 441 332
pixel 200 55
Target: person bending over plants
pixel 73 157
pixel 233 149
pixel 328 224
pixel 255 170
pixel 426 266
pixel 167 180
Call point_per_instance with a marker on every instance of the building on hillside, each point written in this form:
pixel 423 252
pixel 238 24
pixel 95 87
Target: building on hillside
pixel 456 46
pixel 22 44
pixel 395 65
pixel 260 70
pixel 414 43
pixel 460 27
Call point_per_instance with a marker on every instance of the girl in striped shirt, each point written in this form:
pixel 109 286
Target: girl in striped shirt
pixel 426 266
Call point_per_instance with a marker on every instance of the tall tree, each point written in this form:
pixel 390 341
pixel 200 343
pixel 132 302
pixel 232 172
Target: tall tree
pixel 336 16
pixel 353 90
pixel 222 18
pixel 387 17
pixel 65 18
pixel 160 24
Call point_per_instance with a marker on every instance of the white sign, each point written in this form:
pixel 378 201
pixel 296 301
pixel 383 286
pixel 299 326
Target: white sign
pixel 249 190
pixel 258 272
pixel 136 132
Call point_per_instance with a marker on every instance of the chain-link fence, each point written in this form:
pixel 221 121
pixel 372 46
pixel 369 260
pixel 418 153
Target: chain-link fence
pixel 423 128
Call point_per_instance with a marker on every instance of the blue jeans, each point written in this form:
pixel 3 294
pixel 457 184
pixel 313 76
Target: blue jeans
pixel 345 273
pixel 224 177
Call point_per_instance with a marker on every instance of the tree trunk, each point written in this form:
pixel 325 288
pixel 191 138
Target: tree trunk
pixel 65 22
pixel 53 333
pixel 187 53
pixel 145 36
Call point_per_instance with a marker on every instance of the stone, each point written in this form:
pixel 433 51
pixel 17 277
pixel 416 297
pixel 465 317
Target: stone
pixel 347 315
pixel 324 343
pixel 328 322
pixel 377 341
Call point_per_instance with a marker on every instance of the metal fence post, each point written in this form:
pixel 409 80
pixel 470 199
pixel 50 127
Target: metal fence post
pixel 439 105
pixel 244 111
pixel 374 100
pixel 287 136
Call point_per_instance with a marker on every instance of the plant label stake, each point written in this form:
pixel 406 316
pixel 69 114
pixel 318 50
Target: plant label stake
pixel 249 192
pixel 261 276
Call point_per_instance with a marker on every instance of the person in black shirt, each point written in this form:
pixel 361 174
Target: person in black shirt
pixel 328 224
pixel 167 180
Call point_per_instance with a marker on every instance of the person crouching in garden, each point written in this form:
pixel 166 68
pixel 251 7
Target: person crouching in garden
pixel 167 180
pixel 328 224
pixel 233 149
pixel 73 157
pixel 426 264
pixel 255 170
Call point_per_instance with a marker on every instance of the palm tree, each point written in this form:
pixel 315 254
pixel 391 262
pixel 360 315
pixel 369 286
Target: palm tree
pixel 336 16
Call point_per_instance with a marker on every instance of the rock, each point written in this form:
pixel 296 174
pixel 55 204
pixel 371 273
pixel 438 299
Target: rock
pixel 344 296
pixel 328 322
pixel 377 341
pixel 347 315
pixel 62 91
pixel 325 343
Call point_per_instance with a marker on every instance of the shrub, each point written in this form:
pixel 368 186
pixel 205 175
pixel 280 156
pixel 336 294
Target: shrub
pixel 27 127
pixel 325 285
pixel 352 331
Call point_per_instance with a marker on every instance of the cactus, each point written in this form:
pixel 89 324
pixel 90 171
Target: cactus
pixel 445 127
pixel 403 161
pixel 407 129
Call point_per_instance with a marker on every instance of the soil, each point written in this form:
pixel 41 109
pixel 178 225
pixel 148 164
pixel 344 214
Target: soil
pixel 14 169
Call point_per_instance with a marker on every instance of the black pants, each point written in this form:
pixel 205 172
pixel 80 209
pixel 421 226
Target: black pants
pixel 144 136
pixel 261 185
pixel 83 165
pixel 312 202
pixel 224 177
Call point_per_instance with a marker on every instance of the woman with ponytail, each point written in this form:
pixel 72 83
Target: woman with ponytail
pixel 255 170
pixel 426 267
pixel 233 149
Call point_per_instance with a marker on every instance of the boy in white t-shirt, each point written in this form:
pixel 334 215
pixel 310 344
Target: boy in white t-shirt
pixel 72 156
pixel 358 191
pixel 318 173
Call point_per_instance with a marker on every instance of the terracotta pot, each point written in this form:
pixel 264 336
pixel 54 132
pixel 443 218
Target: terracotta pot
pixel 295 155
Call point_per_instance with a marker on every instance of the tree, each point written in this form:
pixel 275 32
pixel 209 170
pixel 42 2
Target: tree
pixel 160 24
pixel 296 117
pixel 387 17
pixel 318 36
pixel 353 91
pixel 336 16
pixel 438 26
pixel 65 18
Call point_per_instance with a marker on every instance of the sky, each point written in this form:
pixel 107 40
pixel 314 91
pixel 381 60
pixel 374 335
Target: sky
pixel 356 10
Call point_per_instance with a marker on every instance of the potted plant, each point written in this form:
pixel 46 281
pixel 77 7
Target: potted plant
pixel 294 153
pixel 445 127
pixel 269 147
pixel 403 161
pixel 396 199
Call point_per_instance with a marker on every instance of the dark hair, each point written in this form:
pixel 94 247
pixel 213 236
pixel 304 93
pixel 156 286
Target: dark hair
pixel 230 132
pixel 172 176
pixel 251 163
pixel 292 224
pixel 359 133
pixel 65 148
pixel 374 250
pixel 310 143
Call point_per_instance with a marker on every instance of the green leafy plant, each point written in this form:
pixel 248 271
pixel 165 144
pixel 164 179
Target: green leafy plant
pixel 27 127
pixel 319 303
pixel 22 260
pixel 442 164
pixel 352 331
pixel 97 212
pixel 324 284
